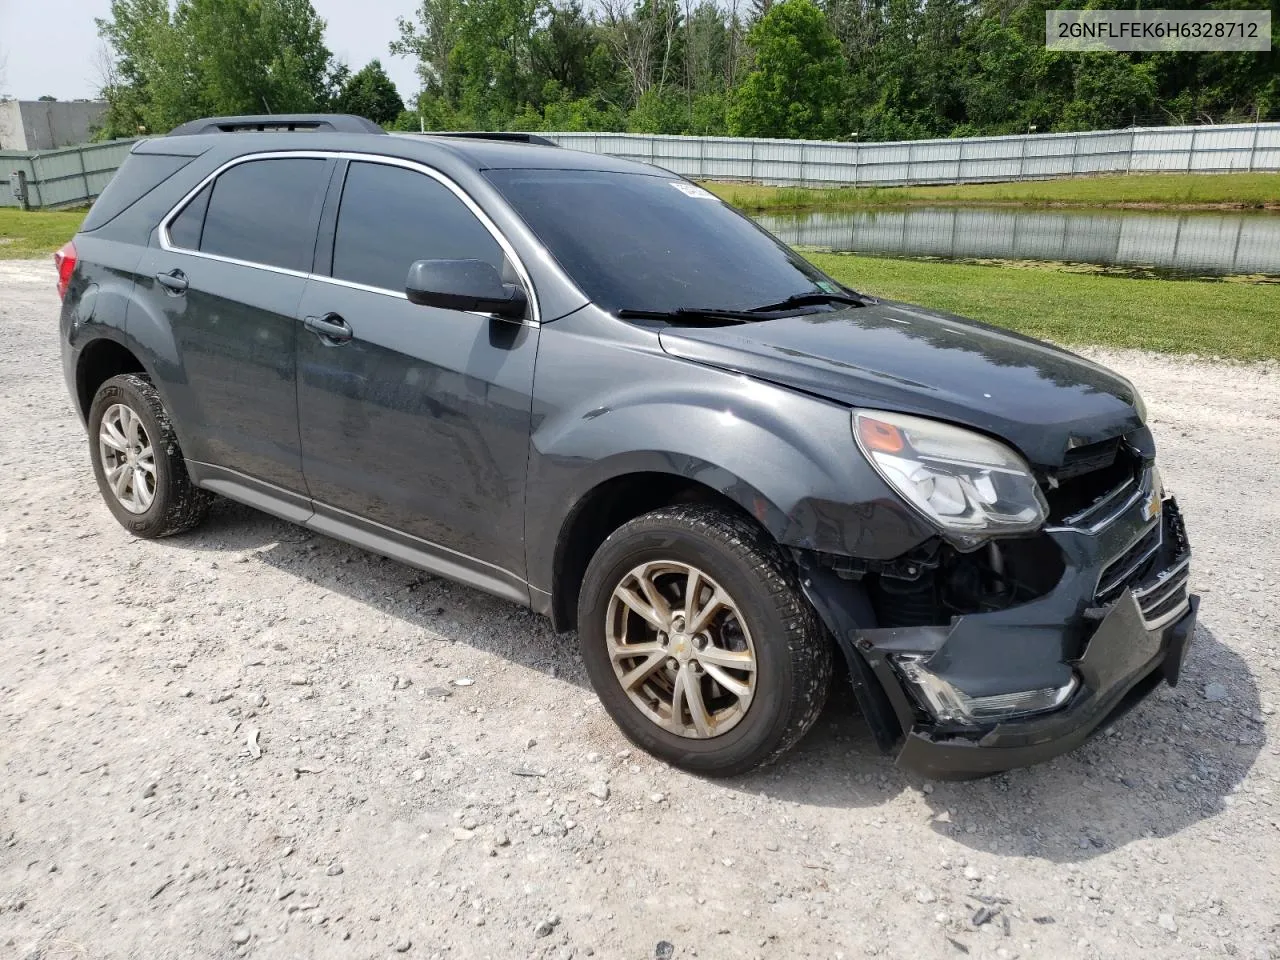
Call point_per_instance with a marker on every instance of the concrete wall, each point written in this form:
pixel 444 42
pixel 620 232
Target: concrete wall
pixel 47 125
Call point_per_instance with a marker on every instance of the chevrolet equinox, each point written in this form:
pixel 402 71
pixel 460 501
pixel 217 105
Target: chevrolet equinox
pixel 590 387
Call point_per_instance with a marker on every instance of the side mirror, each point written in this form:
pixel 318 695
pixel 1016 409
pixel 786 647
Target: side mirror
pixel 472 285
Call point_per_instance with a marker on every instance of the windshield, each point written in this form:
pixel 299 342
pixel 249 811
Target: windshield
pixel 655 243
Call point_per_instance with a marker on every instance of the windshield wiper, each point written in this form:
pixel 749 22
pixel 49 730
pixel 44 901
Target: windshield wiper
pixel 755 314
pixel 692 315
pixel 809 300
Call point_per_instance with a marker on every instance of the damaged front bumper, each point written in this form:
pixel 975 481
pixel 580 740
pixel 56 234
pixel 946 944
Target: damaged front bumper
pixel 1115 626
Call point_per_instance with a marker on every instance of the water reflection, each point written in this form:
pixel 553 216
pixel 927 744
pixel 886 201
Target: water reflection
pixel 1194 243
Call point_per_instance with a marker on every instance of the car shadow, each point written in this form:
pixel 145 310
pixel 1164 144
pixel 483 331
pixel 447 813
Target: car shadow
pixel 1169 763
pixel 434 604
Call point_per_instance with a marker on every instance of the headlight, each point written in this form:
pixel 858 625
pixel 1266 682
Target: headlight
pixel 963 482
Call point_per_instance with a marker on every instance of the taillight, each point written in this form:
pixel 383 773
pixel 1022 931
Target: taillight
pixel 65 262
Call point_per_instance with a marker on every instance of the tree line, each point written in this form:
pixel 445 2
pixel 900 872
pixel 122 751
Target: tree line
pixel 823 69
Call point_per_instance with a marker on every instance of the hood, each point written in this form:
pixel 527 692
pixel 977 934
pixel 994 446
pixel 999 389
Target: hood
pixel 893 356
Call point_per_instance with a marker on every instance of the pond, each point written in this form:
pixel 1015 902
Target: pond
pixel 1193 244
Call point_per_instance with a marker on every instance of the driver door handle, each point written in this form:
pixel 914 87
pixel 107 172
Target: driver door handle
pixel 331 329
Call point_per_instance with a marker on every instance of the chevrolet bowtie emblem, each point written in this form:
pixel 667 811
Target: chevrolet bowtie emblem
pixel 1151 509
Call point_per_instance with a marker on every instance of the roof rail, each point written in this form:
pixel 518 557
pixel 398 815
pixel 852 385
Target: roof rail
pixel 512 137
pixel 332 122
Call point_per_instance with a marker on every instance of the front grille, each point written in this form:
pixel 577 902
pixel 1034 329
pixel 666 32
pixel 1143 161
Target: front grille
pixel 1157 568
pixel 1091 480
pixel 1088 458
pixel 1132 566
pixel 1163 601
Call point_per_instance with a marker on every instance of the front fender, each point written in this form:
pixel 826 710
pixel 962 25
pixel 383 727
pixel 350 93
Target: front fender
pixel 787 458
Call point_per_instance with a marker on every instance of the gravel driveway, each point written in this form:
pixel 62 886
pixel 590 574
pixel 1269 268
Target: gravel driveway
pixel 254 741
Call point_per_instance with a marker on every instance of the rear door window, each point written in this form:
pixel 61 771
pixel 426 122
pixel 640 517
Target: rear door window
pixel 267 212
pixel 391 216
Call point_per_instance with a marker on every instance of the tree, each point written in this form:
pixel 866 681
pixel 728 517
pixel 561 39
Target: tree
pixel 430 40
pixel 885 69
pixel 562 48
pixel 797 85
pixel 211 57
pixel 475 54
pixel 1111 91
pixel 642 37
pixel 997 93
pixel 370 93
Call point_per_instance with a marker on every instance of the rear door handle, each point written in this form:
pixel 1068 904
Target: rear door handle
pixel 331 329
pixel 175 281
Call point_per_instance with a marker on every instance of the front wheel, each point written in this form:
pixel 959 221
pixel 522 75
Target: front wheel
pixel 699 642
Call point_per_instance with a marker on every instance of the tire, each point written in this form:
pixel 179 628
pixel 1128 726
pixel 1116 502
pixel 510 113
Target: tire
pixel 159 502
pixel 767 618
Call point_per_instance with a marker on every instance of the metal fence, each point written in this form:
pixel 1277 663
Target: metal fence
pixel 61 178
pixel 1221 243
pixel 78 174
pixel 1236 147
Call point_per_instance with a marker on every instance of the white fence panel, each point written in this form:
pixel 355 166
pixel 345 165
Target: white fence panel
pixel 959 160
pixel 78 174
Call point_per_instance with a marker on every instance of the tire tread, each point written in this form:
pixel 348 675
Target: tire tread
pixel 808 644
pixel 187 504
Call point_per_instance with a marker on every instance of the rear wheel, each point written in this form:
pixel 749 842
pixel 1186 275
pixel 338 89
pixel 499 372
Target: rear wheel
pixel 699 642
pixel 138 463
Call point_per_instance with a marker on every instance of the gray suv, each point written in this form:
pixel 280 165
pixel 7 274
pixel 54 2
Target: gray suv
pixel 589 387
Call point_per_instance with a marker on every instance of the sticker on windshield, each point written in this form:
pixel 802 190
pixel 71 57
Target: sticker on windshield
pixel 692 190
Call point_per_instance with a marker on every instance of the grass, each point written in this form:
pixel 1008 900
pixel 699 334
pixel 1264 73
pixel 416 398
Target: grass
pixel 26 235
pixel 1172 191
pixel 1238 321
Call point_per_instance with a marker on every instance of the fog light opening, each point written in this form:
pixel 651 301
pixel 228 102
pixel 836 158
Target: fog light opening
pixel 950 705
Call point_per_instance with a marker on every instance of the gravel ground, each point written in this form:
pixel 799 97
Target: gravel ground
pixel 254 741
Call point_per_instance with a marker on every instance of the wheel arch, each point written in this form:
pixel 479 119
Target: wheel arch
pixel 618 499
pixel 99 360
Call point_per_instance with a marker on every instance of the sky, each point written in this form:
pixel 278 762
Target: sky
pixel 61 61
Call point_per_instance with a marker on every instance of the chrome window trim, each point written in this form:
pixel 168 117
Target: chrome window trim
pixel 352 285
pixel 477 211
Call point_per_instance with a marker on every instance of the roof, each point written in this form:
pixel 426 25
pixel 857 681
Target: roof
pixel 504 155
pixel 470 151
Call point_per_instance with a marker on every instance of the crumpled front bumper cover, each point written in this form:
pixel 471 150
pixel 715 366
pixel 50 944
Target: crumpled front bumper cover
pixel 1118 659
pixel 1122 664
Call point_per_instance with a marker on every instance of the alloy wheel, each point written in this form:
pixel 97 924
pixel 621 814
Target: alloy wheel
pixel 128 460
pixel 681 649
